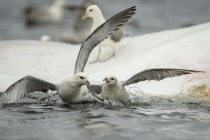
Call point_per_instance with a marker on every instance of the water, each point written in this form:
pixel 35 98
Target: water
pixel 152 16
pixel 157 119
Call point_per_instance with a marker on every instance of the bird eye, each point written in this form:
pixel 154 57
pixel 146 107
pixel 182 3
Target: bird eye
pixel 82 77
pixel 91 10
pixel 112 78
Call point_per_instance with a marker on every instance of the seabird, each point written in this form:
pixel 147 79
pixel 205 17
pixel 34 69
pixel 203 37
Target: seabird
pixel 45 15
pixel 101 33
pixel 81 28
pixel 73 88
pixel 45 38
pixel 95 13
pixel 112 89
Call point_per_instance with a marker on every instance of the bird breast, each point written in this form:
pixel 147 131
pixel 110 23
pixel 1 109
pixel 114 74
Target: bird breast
pixel 108 43
pixel 116 93
pixel 68 92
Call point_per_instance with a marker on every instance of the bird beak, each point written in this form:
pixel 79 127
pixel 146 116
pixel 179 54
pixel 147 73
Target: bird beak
pixel 106 80
pixel 84 16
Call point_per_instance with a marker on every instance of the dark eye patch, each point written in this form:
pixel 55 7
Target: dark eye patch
pixel 82 77
pixel 112 78
pixel 91 10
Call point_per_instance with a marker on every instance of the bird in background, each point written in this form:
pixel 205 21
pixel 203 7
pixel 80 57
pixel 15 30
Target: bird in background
pixel 52 14
pixel 95 13
pixel 80 27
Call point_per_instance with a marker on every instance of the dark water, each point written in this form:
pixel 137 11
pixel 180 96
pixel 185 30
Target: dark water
pixel 151 15
pixel 160 119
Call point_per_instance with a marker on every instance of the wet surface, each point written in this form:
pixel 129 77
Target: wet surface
pixel 158 120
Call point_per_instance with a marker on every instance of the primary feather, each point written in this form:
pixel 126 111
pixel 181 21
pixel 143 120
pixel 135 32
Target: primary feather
pixel 157 74
pixel 25 85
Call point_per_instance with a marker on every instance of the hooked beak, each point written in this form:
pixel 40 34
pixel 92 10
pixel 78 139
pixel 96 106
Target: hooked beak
pixel 92 92
pixel 84 16
pixel 106 80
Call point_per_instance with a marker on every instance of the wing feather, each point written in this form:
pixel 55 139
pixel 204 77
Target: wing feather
pixel 19 89
pixel 157 74
pixel 100 34
pixel 96 88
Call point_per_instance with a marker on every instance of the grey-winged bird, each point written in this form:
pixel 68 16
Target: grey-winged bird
pixel 95 13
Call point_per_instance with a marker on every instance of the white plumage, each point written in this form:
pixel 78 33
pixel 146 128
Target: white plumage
pixel 95 13
pixel 72 89
pixel 112 89
pixel 75 88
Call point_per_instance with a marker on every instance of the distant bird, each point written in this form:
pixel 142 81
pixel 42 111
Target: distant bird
pixel 112 89
pixel 76 87
pixel 81 28
pixel 95 13
pixel 45 15
pixel 45 38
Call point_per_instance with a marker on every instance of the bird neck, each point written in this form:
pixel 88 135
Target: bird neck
pixel 112 87
pixel 97 21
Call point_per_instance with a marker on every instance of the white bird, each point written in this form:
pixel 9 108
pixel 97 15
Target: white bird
pixel 81 28
pixel 45 15
pixel 106 29
pixel 71 90
pixel 112 89
pixel 95 13
pixel 75 88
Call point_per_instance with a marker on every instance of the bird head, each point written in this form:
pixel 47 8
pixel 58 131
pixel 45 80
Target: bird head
pixel 92 11
pixel 81 79
pixel 110 80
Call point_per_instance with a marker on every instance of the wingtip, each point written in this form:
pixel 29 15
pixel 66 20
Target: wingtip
pixel 199 71
pixel 134 8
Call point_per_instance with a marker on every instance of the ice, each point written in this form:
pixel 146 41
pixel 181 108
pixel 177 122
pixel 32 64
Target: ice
pixel 187 48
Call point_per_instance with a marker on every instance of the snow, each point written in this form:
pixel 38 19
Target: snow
pixel 187 48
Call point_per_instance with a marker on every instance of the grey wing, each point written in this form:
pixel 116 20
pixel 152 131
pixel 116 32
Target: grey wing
pixel 117 36
pixel 1 93
pixel 96 88
pixel 28 84
pixel 101 33
pixel 157 74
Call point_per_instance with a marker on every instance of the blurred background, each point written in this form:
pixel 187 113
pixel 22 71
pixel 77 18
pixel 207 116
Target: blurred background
pixel 151 16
